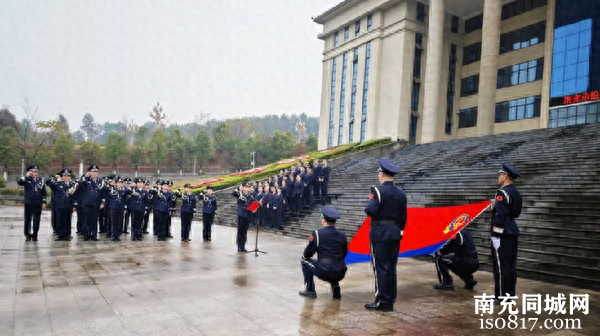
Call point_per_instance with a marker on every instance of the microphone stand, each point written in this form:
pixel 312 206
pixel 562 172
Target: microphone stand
pixel 256 251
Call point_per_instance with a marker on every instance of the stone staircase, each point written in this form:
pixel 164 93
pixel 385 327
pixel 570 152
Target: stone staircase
pixel 560 184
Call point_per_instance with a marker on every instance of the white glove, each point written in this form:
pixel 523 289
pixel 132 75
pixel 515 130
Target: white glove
pixel 496 242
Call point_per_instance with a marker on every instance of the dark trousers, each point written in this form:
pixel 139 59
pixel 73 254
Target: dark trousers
pixel 146 220
pixel 207 221
pixel 137 220
pixel 79 219
pixel 324 191
pixel 162 218
pixel 33 212
pixel 53 218
pixel 186 224
pixel 102 220
pixel 463 268
pixel 154 221
pixel 116 219
pixel 385 245
pixel 316 188
pixel 62 219
pixel 108 222
pixel 307 196
pixel 126 221
pixel 90 215
pixel 169 220
pixel 312 268
pixel 297 204
pixel 505 266
pixel 273 220
pixel 242 232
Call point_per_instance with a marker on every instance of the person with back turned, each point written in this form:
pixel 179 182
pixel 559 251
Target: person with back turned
pixel 387 208
pixel 458 255
pixel 331 246
pixel 506 207
pixel 35 201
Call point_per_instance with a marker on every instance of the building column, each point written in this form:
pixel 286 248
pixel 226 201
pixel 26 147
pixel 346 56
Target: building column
pixel 433 68
pixel 488 67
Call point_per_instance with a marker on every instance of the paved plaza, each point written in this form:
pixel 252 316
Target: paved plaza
pixel 173 288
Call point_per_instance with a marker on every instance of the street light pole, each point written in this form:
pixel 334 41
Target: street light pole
pixel 252 163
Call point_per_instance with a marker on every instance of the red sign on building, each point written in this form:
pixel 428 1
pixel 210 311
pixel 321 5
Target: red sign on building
pixel 581 97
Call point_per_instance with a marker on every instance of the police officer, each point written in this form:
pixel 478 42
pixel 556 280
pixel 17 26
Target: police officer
pixel 162 206
pixel 103 213
pixel 506 207
pixel 324 180
pixel 188 210
pixel 92 189
pixel 147 187
pixel 34 200
pixel 172 206
pixel 62 190
pixel 52 207
pixel 316 170
pixel 387 208
pixel 331 246
pixel 209 210
pixel 459 255
pixel 137 207
pixel 244 198
pixel 127 214
pixel 117 196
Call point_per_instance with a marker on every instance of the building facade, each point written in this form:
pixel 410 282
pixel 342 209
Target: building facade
pixel 436 70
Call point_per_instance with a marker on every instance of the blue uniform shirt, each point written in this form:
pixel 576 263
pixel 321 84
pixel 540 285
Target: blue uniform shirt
pixel 188 204
pixel 62 193
pixel 507 207
pixel 35 190
pixel 209 204
pixel 92 191
pixel 243 201
pixel 117 198
pixel 387 203
pixel 330 244
pixel 137 199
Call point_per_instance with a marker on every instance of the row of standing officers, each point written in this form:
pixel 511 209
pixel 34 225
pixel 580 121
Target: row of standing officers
pixel 110 202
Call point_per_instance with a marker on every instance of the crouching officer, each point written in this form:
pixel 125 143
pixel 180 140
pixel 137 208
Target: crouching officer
pixel 331 246
pixel 505 232
pixel 387 208
pixel 35 201
pixel 459 255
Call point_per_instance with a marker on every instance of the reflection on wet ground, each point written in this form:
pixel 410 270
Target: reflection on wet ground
pixel 174 288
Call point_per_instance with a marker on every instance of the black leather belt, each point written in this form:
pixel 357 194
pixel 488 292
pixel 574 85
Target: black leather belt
pixel 330 260
pixel 384 221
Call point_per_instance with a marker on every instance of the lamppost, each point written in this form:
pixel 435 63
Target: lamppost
pixel 252 163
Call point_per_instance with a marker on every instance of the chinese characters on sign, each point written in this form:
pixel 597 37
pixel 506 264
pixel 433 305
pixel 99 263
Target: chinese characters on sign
pixel 532 303
pixel 581 97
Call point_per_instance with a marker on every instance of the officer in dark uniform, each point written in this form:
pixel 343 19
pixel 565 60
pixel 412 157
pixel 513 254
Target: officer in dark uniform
pixel 506 207
pixel 244 198
pixel 331 246
pixel 78 198
pixel 387 208
pixel 316 170
pixel 62 192
pixel 116 197
pixel 137 207
pixel 34 200
pixel 148 208
pixel 209 210
pixel 324 180
pixel 92 189
pixel 459 255
pixel 127 214
pixel 188 210
pixel 52 207
pixel 172 206
pixel 103 213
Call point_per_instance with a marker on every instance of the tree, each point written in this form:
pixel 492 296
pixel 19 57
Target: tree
pixel 312 143
pixel 63 122
pixel 158 147
pixel 180 148
pixel 282 145
pixel 7 118
pixel 9 147
pixel 90 127
pixel 116 148
pixel 141 136
pixel 202 147
pixel 221 134
pixel 78 137
pixel 137 156
pixel 91 152
pixel 64 148
pixel 158 116
pixel 240 128
pixel 35 137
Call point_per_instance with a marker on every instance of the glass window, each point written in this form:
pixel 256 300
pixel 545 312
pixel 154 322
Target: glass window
pixel 421 12
pixel 331 103
pixel 342 99
pixel 525 72
pixel 524 37
pixel 335 39
pixel 357 28
pixel 467 118
pixel 517 109
pixel 363 124
pixel 454 24
pixel 473 23
pixel 346 33
pixel 472 53
pixel 369 22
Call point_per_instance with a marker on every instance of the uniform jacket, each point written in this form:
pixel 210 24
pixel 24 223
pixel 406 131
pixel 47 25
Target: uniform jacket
pixel 462 245
pixel 331 246
pixel 324 173
pixel 35 190
pixel 507 207
pixel 92 191
pixel 62 193
pixel 388 203
pixel 209 204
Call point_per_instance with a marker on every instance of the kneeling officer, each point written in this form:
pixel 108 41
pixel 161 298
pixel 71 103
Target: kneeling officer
pixel 331 246
pixel 459 255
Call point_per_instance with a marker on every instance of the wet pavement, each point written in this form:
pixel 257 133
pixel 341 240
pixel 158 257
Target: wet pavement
pixel 174 288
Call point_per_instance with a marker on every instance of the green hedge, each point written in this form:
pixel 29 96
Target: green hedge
pixel 12 191
pixel 274 168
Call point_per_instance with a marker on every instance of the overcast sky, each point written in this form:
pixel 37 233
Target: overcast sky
pixel 111 58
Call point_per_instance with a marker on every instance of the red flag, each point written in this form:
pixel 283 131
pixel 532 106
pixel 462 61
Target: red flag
pixel 426 230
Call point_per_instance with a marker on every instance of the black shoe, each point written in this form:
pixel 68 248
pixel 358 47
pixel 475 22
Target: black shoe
pixel 145 232
pixel 209 239
pixel 78 232
pixel 183 240
pixel 242 250
pixel 379 307
pixel 125 232
pixel 28 238
pixel 337 293
pixel 188 240
pixel 169 236
pixel 34 239
pixel 470 284
pixel 86 239
pixel 156 234
pixel 308 294
pixel 102 231
pixel 94 239
pixel 443 286
pixel 114 239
